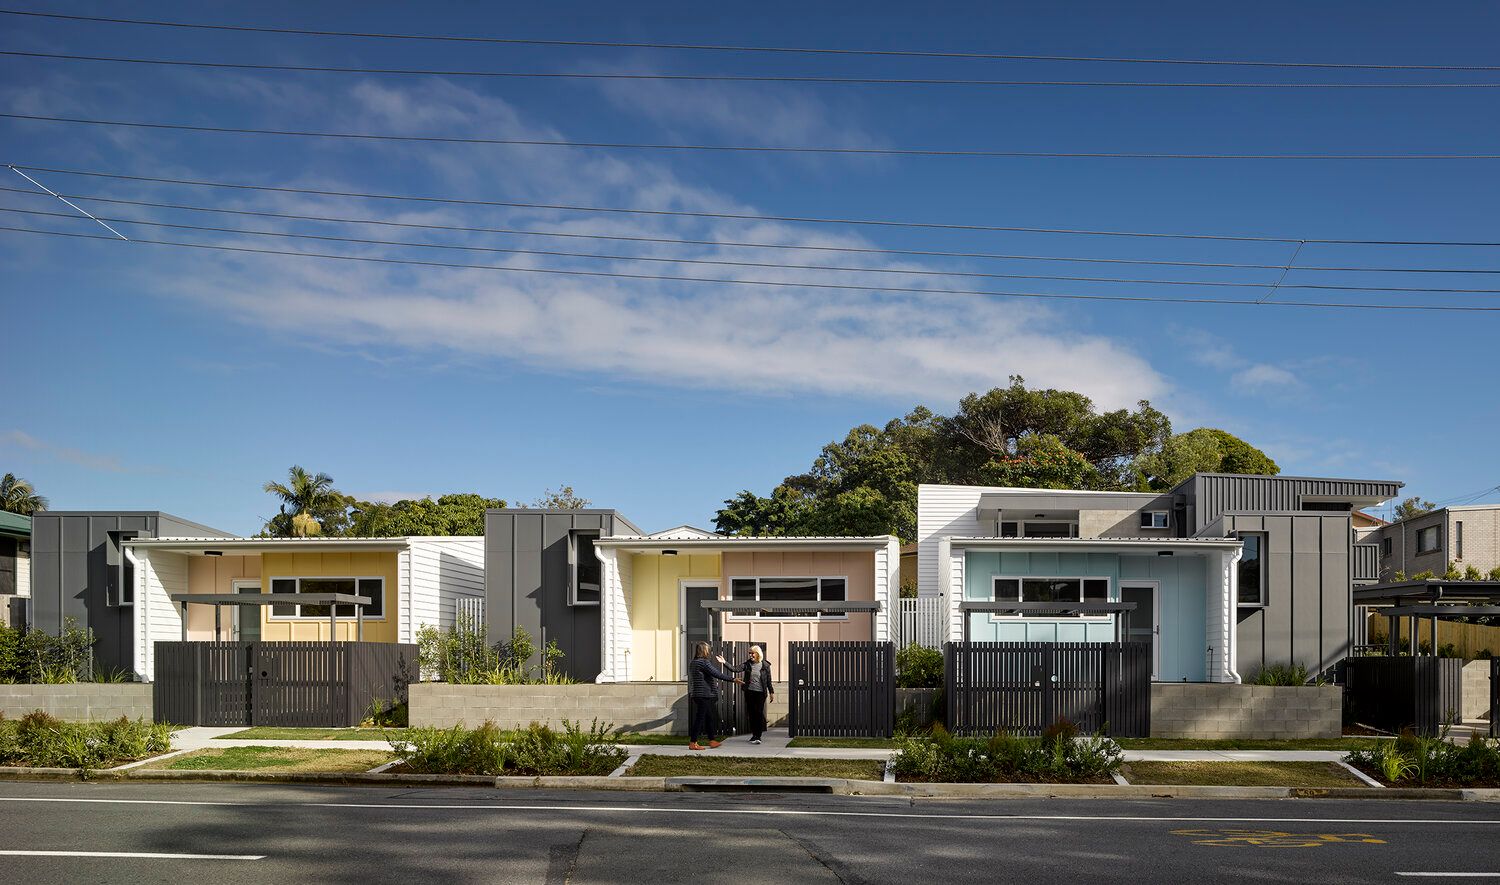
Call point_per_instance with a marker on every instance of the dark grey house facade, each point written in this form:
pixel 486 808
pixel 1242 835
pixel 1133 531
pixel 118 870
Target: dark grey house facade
pixel 541 574
pixel 79 571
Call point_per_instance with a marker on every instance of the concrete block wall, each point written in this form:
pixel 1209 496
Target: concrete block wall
pixel 1204 710
pixel 643 707
pixel 1474 691
pixel 82 702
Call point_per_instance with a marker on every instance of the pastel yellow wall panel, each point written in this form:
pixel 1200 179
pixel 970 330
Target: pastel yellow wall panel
pixel 654 615
pixel 301 564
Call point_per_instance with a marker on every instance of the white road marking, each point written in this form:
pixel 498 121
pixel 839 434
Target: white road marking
pixel 149 855
pixel 759 811
pixel 1453 875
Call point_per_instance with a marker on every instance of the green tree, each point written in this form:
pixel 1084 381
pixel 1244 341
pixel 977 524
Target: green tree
pixel 560 499
pixel 459 514
pixel 1413 506
pixel 18 496
pixel 310 505
pixel 1205 450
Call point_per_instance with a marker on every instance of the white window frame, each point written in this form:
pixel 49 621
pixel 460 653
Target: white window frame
pixel 735 616
pixel 573 536
pixel 1166 519
pixel 299 616
pixel 1112 594
pixel 1437 531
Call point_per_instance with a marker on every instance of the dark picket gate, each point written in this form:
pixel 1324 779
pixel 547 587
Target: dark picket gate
pixel 1494 697
pixel 841 689
pixel 315 684
pixel 1396 693
pixel 1022 688
pixel 734 716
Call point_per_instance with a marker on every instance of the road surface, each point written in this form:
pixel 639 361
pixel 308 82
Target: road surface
pixel 235 833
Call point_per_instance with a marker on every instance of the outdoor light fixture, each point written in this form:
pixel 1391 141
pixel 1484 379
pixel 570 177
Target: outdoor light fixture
pixel 669 553
pixel 1041 516
pixel 1164 553
pixel 213 553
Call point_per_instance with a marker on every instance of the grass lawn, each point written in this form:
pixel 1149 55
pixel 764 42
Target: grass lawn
pixel 1339 743
pixel 274 759
pixel 845 743
pixel 1240 774
pixel 657 740
pixel 273 733
pixel 706 765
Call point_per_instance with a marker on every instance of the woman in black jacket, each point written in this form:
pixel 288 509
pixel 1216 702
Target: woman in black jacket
pixel 755 675
pixel 703 696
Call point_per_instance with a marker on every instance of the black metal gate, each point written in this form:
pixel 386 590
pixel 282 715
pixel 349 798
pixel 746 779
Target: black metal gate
pixel 318 684
pixel 1023 688
pixel 842 689
pixel 734 716
pixel 1396 693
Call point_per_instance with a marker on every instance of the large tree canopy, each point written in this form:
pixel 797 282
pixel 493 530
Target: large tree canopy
pixel 310 505
pixel 866 484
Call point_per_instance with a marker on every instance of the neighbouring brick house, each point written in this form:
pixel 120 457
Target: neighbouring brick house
pixel 1457 536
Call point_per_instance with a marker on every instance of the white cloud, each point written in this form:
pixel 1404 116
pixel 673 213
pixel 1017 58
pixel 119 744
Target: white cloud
pixel 1245 375
pixel 743 337
pixel 1263 376
pixel 22 440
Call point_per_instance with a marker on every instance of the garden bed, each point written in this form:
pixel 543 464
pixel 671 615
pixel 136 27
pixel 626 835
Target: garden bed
pixel 274 759
pixel 702 765
pixel 1059 756
pixel 488 750
pixel 1411 761
pixel 38 740
pixel 1240 774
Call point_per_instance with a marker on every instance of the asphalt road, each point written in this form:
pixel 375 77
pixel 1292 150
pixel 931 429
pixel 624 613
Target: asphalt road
pixel 243 834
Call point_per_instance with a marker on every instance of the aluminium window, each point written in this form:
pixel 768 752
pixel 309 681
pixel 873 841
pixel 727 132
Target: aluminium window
pixel 1153 519
pixel 1252 569
pixel 1385 547
pixel 1033 528
pixel 1458 539
pixel 791 589
pixel 585 571
pixel 119 575
pixel 372 588
pixel 1429 539
pixel 1049 589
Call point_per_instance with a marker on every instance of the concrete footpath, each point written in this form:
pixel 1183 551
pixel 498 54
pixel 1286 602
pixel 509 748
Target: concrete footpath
pixel 775 746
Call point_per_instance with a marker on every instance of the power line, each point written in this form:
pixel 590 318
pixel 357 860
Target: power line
pixel 686 241
pixel 728 263
pixel 747 216
pixel 620 44
pixel 736 148
pixel 771 283
pixel 733 78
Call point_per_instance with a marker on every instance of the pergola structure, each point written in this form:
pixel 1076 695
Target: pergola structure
pixel 1049 609
pixel 1435 598
pixel 747 606
pixel 332 600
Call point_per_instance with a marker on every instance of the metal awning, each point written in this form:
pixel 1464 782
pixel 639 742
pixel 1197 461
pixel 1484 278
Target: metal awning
pixel 822 608
pixel 1442 611
pixel 332 600
pixel 1430 589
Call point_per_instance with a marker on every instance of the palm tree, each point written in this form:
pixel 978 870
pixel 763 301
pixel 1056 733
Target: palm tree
pixel 18 496
pixel 303 497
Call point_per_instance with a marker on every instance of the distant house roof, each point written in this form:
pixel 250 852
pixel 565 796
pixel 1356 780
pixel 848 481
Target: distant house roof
pixel 14 525
pixel 681 532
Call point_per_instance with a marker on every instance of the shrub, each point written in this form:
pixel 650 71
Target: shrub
pixel 460 656
pixel 533 751
pixel 386 714
pixel 1282 674
pixel 919 667
pixel 40 740
pixel 1058 756
pixel 38 657
pixel 1432 761
pixel 1472 573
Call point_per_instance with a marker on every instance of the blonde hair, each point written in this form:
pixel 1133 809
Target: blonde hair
pixel 700 650
pixel 755 650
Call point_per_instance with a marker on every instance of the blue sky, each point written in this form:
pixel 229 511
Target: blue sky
pixel 143 376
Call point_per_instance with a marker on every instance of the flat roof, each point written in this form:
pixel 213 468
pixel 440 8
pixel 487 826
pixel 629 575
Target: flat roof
pixel 647 544
pixel 201 546
pixel 1130 543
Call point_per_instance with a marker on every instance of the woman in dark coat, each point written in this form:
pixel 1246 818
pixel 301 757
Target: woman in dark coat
pixel 703 696
pixel 755 675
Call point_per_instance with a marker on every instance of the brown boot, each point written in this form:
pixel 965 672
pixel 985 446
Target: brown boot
pixel 713 744
pixel 694 746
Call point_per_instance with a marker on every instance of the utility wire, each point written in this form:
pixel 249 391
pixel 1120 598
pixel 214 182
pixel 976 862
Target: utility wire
pixel 685 241
pixel 736 148
pixel 75 207
pixel 770 283
pixel 733 78
pixel 747 216
pixel 803 50
pixel 777 265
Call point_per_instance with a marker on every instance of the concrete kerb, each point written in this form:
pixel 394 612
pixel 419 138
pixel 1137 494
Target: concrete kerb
pixel 834 786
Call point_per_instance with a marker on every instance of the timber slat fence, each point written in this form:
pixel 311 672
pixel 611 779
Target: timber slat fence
pixel 842 689
pixel 316 684
pixel 1421 693
pixel 1022 688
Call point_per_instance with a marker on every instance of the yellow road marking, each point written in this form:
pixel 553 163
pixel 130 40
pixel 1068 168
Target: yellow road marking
pixel 1274 838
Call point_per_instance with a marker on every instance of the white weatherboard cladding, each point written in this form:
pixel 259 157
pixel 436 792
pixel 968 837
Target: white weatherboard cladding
pixel 953 575
pixel 23 573
pixel 434 573
pixel 887 584
pixel 157 619
pixel 943 511
pixel 614 614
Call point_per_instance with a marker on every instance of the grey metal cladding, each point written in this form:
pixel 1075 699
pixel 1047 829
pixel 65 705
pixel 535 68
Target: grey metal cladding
pixel 526 576
pixel 1214 494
